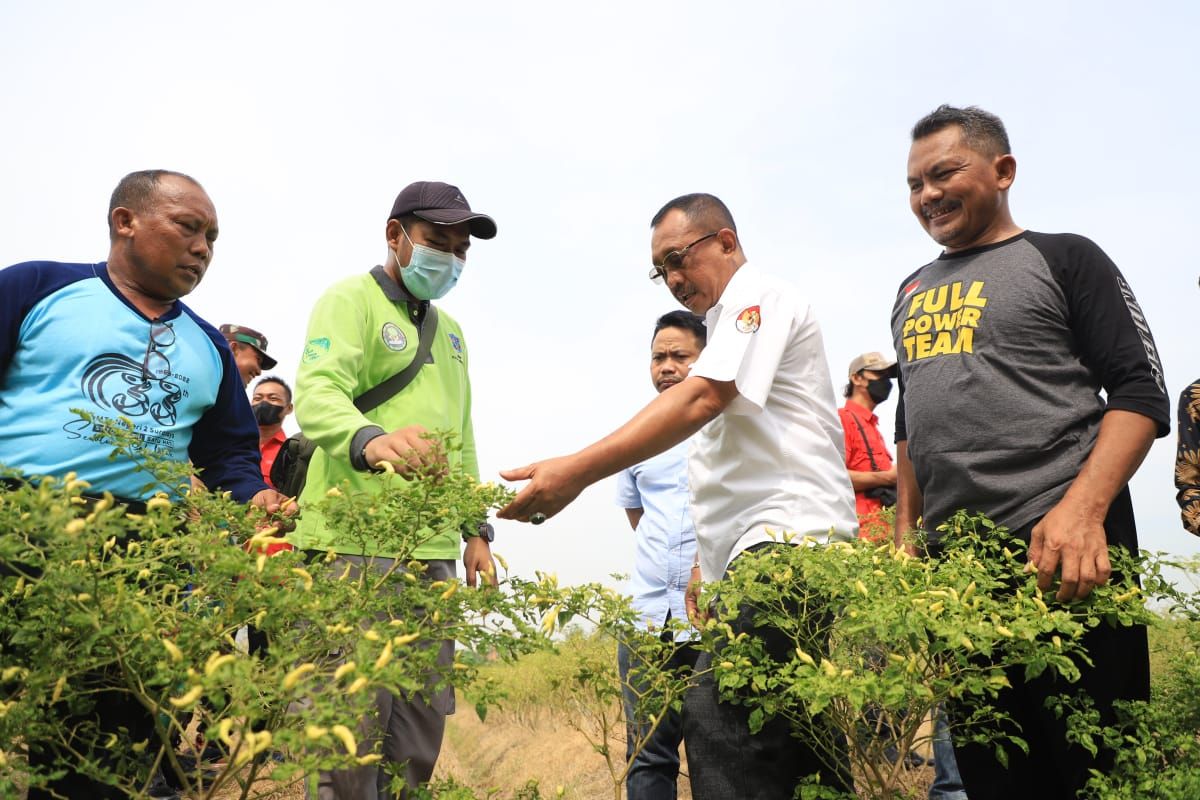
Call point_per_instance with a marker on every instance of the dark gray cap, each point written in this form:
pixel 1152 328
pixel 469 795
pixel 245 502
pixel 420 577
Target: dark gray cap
pixel 443 204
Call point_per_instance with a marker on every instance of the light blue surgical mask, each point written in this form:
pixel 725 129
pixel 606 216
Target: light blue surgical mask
pixel 430 273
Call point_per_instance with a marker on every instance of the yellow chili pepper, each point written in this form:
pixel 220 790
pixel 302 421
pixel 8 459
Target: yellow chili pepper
pixel 384 657
pixel 292 678
pixel 347 738
pixel 189 699
pixel 216 661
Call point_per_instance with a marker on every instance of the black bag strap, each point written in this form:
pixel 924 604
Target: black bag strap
pixel 373 398
pixel 866 443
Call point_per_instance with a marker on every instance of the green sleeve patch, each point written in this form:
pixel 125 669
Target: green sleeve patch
pixel 315 349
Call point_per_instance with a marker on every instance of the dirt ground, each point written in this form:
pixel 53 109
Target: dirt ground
pixel 504 755
pixel 500 757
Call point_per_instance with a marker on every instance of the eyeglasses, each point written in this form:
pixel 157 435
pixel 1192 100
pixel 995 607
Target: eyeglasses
pixel 674 259
pixel 155 364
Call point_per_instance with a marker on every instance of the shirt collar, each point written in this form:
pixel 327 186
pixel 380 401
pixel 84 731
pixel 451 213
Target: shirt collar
pixel 859 410
pixel 392 289
pixel 744 279
pixel 397 293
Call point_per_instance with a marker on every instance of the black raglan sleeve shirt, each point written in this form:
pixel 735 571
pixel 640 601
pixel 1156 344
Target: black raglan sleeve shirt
pixel 1111 335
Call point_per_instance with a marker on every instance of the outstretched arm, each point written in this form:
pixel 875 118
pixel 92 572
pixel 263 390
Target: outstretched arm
pixel 671 417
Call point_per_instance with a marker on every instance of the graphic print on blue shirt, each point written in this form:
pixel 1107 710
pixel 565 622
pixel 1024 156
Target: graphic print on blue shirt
pixel 134 389
pixel 82 347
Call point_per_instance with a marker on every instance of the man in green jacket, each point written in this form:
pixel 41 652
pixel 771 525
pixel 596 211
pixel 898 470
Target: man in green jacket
pixel 362 331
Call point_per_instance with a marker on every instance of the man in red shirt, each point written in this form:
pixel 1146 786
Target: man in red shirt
pixel 271 402
pixel 867 458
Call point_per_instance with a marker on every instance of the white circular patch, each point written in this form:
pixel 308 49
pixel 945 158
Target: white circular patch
pixel 393 337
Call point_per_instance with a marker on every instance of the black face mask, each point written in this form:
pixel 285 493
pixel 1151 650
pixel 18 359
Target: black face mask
pixel 879 389
pixel 267 413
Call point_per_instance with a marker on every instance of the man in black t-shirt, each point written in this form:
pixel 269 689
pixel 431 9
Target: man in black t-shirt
pixel 1008 324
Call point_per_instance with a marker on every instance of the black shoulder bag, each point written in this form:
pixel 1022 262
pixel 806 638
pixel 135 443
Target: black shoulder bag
pixel 290 470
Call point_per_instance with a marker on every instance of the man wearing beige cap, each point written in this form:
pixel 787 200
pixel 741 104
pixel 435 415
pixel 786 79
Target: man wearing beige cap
pixel 249 351
pixel 867 458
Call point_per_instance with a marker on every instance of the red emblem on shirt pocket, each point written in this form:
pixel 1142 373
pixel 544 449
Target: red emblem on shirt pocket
pixel 749 319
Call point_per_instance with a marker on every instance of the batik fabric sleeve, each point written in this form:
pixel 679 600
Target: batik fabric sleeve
pixel 1187 458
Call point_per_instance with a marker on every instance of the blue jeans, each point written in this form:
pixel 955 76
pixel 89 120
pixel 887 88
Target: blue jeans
pixel 947 783
pixel 654 773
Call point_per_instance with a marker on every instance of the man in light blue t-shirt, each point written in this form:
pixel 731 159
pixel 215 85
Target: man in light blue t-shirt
pixel 113 338
pixel 655 497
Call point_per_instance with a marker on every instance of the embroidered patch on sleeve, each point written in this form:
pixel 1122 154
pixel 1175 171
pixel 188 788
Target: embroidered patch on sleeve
pixel 315 349
pixel 749 319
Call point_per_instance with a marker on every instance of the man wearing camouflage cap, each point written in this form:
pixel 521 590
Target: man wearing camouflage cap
pixel 249 351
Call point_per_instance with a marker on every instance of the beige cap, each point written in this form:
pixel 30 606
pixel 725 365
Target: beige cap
pixel 874 362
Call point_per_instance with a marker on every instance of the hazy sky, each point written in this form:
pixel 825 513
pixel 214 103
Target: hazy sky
pixel 571 124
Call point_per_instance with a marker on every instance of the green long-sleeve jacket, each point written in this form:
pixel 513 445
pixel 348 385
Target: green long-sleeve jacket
pixel 361 332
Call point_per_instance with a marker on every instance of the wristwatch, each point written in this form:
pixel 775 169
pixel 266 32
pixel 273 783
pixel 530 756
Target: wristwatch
pixel 485 532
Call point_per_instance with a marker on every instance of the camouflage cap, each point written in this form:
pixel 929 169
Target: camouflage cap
pixel 240 333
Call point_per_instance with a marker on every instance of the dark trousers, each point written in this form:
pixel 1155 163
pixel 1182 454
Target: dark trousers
pixel 725 761
pixel 408 727
pixel 1055 770
pixel 112 712
pixel 654 773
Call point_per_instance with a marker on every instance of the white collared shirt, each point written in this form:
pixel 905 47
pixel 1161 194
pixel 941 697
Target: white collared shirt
pixel 772 462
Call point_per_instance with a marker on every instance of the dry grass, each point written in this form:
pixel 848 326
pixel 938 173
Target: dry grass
pixel 504 755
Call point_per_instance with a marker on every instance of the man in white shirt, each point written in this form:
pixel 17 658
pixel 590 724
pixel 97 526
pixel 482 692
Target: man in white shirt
pixel 768 459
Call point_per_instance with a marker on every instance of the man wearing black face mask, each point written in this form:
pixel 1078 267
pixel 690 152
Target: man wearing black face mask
pixel 271 402
pixel 867 458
